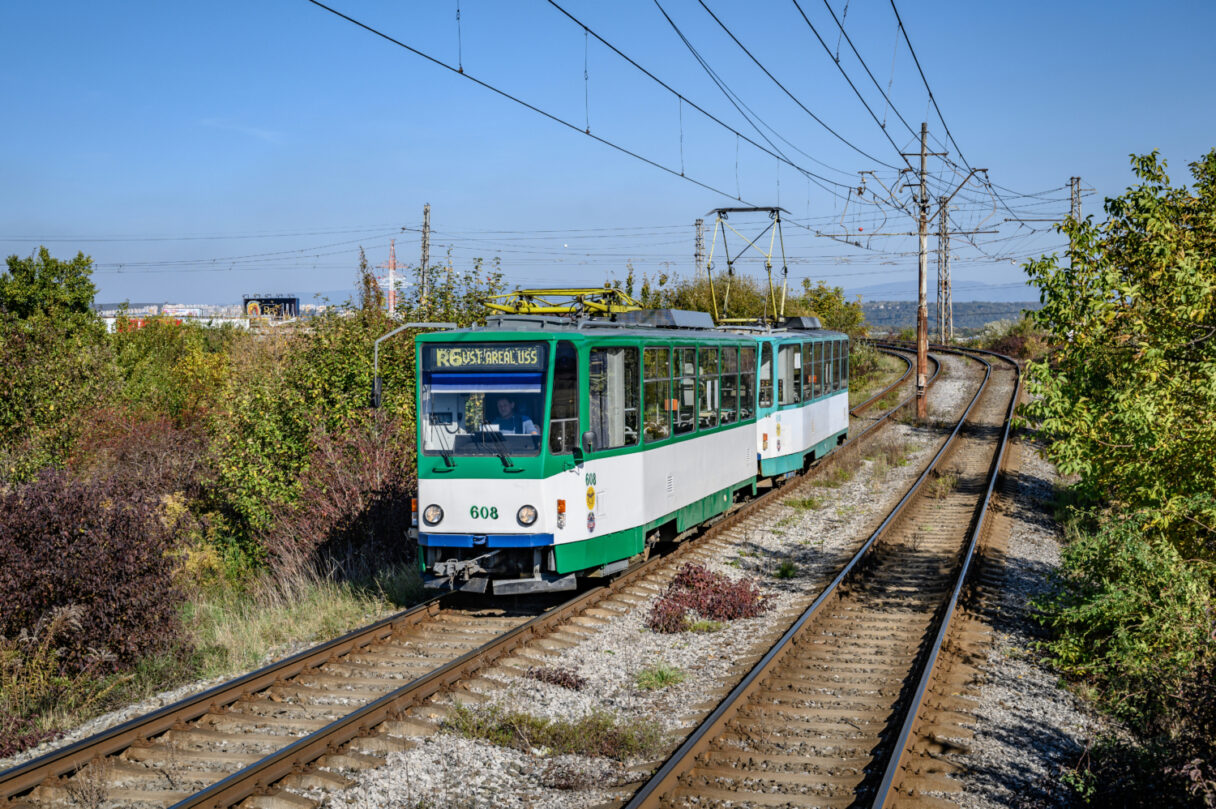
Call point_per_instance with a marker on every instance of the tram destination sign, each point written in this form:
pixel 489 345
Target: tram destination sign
pixel 498 357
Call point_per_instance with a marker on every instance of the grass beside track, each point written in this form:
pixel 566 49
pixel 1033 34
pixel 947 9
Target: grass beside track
pixel 229 631
pixel 888 370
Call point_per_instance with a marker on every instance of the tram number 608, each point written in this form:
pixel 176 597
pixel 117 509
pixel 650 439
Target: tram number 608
pixel 484 513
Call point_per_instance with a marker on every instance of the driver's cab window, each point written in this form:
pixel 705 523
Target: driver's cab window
pixel 563 413
pixel 483 399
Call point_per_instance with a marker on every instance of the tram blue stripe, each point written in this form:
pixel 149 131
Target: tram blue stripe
pixel 490 540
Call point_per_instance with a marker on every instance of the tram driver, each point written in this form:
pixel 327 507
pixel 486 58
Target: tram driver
pixel 511 421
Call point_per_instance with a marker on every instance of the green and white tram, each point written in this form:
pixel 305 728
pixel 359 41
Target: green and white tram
pixel 552 448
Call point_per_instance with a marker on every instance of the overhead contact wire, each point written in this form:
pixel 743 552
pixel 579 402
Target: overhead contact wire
pixel 520 101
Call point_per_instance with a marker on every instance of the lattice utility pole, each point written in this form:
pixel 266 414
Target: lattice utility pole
pixel 425 266
pixel 699 255
pixel 1074 184
pixel 945 304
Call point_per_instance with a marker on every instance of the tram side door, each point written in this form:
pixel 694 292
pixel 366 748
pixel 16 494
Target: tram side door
pixel 613 427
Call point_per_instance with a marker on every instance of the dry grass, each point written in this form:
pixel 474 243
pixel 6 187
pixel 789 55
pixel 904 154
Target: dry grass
pixel 887 371
pixel 238 631
pixel 598 734
pixel 839 473
pixel 889 453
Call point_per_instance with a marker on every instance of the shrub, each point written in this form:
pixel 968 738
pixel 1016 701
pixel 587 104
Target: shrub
pixel 94 545
pixel 566 678
pixel 178 370
pixel 33 682
pixel 1131 616
pixel 141 451
pixel 697 589
pixel 19 733
pixel 668 615
pixel 52 371
pixel 353 509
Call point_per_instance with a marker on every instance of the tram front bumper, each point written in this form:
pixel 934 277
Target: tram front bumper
pixel 511 563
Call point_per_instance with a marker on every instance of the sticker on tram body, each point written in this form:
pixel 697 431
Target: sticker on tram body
pixel 591 522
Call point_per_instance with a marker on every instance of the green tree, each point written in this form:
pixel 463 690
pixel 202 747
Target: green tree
pixel 54 363
pixel 1128 400
pixel 833 309
pixel 287 389
pixel 42 284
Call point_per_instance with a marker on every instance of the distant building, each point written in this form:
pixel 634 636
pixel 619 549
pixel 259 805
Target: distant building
pixel 277 306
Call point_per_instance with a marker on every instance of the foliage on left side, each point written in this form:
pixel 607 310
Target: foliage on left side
pixel 168 469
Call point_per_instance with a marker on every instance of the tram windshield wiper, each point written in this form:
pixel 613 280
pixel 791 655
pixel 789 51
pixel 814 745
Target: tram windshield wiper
pixel 500 449
pixel 446 453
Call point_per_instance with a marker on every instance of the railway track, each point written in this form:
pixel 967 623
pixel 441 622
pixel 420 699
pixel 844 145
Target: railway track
pixel 339 705
pixel 890 390
pixel 824 718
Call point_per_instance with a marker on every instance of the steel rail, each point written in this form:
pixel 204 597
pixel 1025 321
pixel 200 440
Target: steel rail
pixel 856 411
pixel 667 776
pixel 259 775
pixel 67 759
pixel 886 788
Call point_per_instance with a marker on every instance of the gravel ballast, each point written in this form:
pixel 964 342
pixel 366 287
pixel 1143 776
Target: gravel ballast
pixel 817 535
pixel 1028 728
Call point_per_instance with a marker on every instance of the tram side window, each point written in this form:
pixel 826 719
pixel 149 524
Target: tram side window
pixel 808 372
pixel 563 415
pixel 747 383
pixel 728 402
pixel 829 380
pixel 788 378
pixel 834 368
pixel 708 386
pixel 766 375
pixel 844 364
pixel 657 393
pixel 818 368
pixel 684 380
pixel 613 396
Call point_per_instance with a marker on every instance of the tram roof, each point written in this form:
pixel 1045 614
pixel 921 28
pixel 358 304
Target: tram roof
pixel 659 326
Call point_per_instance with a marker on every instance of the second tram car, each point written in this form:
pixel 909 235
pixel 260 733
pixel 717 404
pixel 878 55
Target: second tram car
pixel 551 448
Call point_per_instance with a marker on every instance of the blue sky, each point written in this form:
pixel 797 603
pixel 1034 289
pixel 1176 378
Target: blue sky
pixel 200 151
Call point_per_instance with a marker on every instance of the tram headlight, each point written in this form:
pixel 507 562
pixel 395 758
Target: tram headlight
pixel 433 515
pixel 526 515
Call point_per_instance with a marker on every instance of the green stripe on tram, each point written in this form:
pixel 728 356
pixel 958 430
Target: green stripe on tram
pixel 570 557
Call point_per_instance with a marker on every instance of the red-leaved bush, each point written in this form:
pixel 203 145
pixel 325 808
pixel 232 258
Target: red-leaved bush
pixel 19 733
pixel 353 510
pixel 95 545
pixel 144 451
pixel 697 589
pixel 566 678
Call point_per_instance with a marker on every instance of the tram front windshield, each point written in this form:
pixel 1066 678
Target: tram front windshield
pixel 484 399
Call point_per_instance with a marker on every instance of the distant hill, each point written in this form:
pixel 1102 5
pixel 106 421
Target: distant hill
pixel 968 315
pixel 973 291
